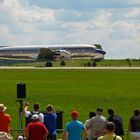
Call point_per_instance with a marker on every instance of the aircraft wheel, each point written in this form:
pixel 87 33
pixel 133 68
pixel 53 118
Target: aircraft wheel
pixel 48 64
pixel 94 64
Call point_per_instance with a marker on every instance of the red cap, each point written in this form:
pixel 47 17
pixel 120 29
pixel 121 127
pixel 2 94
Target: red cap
pixel 74 114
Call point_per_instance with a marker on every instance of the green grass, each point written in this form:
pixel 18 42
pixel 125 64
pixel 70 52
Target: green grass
pixel 83 90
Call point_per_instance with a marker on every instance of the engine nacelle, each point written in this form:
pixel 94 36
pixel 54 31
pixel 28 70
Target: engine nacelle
pixel 64 54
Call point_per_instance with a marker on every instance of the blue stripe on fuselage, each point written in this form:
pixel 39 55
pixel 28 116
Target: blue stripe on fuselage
pixel 101 52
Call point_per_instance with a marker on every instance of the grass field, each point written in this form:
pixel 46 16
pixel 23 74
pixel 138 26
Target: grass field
pixel 83 90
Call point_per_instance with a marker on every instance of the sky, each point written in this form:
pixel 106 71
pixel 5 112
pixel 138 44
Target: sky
pixel 115 24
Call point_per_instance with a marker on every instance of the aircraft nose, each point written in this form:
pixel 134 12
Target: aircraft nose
pixel 101 52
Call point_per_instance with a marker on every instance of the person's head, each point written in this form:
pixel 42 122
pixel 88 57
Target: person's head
pixel 20 137
pixel 110 111
pixel 74 115
pixel 2 108
pixel 36 107
pixel 99 111
pixel 92 114
pixel 49 108
pixel 136 112
pixel 110 127
pixel 35 118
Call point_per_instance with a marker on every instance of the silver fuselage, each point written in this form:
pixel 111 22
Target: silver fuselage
pixel 32 51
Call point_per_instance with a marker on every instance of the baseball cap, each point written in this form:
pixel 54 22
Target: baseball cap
pixel 20 138
pixel 35 117
pixel 74 114
pixel 2 108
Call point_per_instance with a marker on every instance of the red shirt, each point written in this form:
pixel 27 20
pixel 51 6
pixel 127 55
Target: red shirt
pixel 5 120
pixel 36 130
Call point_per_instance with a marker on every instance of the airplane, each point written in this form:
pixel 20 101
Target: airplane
pixel 51 52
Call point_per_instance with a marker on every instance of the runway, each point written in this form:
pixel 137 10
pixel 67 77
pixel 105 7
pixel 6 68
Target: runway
pixel 69 68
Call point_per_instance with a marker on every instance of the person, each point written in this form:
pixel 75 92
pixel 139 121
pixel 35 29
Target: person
pixel 36 130
pixel 117 121
pixel 5 119
pixel 109 133
pixel 74 129
pixel 50 122
pixel 91 114
pixel 97 124
pixel 134 125
pixel 28 114
pixel 20 137
pixel 5 136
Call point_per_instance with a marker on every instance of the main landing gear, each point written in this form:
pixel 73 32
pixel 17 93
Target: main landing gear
pixel 94 64
pixel 48 64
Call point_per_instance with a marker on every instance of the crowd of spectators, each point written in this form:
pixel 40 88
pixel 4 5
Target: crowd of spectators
pixel 42 126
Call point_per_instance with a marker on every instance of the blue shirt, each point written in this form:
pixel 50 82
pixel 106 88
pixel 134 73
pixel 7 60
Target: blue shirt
pixel 74 130
pixel 50 122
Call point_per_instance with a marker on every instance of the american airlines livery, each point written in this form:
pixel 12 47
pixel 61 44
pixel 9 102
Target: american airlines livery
pixel 51 52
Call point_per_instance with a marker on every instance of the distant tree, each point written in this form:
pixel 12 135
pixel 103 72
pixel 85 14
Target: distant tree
pixel 127 59
pixel 129 62
pixel 98 46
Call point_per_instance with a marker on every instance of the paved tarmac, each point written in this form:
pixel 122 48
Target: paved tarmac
pixel 93 68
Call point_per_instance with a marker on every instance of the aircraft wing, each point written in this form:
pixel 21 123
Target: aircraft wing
pixel 47 53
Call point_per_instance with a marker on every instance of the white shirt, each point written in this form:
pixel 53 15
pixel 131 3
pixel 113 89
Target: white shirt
pixel 97 124
pixel 41 116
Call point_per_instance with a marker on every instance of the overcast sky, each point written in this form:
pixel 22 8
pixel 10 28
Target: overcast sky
pixel 115 24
